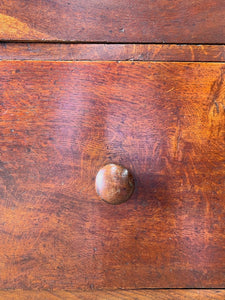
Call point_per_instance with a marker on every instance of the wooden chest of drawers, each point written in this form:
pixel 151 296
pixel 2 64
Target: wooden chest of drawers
pixel 68 109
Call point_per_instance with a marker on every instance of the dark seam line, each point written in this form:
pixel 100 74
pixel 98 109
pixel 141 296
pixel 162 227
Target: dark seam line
pixel 106 43
pixel 115 60
pixel 214 288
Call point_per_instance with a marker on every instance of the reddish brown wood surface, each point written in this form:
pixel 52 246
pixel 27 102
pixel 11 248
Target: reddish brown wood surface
pixel 115 295
pixel 160 21
pixel 60 123
pixel 111 52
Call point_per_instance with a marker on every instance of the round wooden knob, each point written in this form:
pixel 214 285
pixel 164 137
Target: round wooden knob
pixel 114 184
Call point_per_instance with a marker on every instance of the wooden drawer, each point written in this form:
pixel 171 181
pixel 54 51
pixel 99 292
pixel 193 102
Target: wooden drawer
pixel 132 21
pixel 60 123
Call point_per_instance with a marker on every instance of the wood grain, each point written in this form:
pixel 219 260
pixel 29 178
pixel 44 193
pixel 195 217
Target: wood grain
pixel 111 52
pixel 115 295
pixel 153 21
pixel 60 123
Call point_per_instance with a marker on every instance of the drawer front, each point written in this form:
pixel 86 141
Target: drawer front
pixel 152 21
pixel 63 121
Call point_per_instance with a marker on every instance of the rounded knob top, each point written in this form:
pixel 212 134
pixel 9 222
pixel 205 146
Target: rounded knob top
pixel 114 184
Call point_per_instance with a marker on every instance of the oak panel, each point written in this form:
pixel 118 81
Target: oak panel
pixel 111 52
pixel 152 21
pixel 115 295
pixel 60 123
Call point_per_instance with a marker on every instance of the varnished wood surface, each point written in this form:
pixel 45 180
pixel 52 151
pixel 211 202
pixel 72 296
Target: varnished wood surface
pixel 60 123
pixel 111 52
pixel 115 295
pixel 160 21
